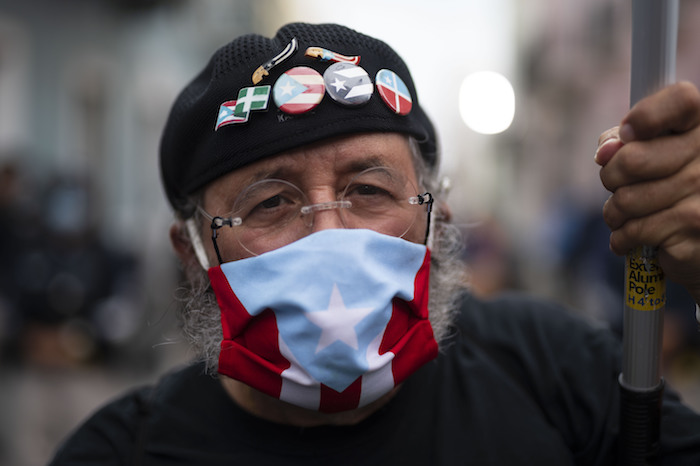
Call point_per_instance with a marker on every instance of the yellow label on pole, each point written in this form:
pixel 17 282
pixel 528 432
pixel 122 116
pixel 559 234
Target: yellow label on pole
pixel 645 285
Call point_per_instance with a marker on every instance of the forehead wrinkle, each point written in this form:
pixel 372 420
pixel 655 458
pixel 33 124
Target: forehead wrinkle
pixel 358 165
pixel 277 167
pixel 343 158
pixel 386 153
pixel 293 166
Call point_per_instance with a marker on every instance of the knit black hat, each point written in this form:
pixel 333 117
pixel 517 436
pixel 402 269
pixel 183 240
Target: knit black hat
pixel 196 148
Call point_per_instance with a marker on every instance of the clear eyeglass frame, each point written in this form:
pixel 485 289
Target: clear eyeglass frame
pixel 272 213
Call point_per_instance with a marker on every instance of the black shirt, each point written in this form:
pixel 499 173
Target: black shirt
pixel 520 381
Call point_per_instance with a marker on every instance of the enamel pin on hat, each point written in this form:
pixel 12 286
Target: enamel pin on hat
pixel 238 111
pixel 394 92
pixel 298 90
pixel 264 69
pixel 348 84
pixel 328 55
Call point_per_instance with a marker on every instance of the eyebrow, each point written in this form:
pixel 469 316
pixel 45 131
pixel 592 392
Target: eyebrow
pixel 291 169
pixel 357 166
pixel 283 171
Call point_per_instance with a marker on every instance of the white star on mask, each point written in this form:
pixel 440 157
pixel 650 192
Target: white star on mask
pixel 337 322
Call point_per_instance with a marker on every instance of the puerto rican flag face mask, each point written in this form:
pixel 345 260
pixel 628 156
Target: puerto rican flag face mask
pixel 330 322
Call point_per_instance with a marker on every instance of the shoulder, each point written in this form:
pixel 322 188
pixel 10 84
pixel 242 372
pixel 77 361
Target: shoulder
pixel 558 364
pixel 526 320
pixel 111 434
pixel 108 435
pixel 516 307
pixel 543 344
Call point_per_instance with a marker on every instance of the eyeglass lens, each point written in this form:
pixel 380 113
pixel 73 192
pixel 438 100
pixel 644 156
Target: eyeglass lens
pixel 268 214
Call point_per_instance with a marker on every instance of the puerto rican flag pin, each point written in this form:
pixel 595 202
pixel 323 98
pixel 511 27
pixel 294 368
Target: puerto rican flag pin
pixel 238 111
pixel 394 92
pixel 227 115
pixel 348 84
pixel 298 90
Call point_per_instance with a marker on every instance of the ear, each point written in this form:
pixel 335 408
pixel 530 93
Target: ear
pixel 183 246
pixel 444 211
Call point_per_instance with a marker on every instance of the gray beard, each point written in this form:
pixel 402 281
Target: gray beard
pixel 201 317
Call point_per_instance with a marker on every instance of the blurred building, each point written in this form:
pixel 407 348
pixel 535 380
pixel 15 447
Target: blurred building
pixel 85 87
pixel 88 280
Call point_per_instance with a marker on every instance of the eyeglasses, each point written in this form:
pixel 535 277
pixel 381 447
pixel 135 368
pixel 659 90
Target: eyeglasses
pixel 272 213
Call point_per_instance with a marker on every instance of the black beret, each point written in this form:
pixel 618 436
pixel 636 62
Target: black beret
pixel 195 149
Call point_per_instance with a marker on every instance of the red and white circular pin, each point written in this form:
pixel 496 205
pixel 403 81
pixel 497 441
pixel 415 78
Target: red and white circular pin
pixel 394 92
pixel 298 90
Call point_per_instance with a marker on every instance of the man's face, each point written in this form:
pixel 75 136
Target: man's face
pixel 321 172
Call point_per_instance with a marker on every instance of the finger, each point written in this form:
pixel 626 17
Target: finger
pixel 673 109
pixel 647 160
pixel 645 198
pixel 607 149
pixel 668 229
pixel 612 133
pixel 606 142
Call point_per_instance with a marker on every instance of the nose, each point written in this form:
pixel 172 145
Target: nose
pixel 326 215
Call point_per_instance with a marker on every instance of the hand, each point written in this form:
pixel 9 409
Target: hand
pixel 651 164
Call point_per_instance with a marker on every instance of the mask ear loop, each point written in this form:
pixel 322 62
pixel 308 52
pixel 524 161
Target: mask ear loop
pixel 197 243
pixel 216 223
pixel 427 199
pixel 444 187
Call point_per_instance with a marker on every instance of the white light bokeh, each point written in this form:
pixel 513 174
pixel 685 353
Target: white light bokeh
pixel 487 102
pixel 470 35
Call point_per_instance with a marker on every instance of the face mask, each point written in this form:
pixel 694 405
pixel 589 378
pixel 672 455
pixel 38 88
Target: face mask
pixel 330 322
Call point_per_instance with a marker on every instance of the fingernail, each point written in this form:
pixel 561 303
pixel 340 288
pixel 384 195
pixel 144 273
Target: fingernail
pixel 596 157
pixel 626 133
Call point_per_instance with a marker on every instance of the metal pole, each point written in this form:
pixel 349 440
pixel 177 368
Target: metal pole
pixel 654 35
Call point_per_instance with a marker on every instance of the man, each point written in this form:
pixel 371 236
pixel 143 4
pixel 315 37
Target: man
pixel 326 304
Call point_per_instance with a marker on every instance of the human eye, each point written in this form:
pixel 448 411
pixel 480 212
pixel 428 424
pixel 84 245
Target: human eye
pixel 374 191
pixel 269 203
pixel 364 189
pixel 376 182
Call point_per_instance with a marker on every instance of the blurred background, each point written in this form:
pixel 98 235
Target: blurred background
pixel 88 282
